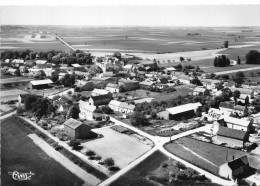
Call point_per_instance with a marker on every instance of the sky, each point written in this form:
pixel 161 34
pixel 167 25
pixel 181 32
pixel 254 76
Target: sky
pixel 133 15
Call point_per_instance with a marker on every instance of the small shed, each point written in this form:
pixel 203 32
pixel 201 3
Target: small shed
pixel 76 129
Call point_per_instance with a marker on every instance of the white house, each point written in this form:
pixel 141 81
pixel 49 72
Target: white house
pixel 87 110
pixel 113 88
pixel 122 107
pixel 238 124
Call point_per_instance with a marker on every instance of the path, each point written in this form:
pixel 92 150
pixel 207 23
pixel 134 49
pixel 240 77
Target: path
pixel 237 70
pixel 64 42
pixel 89 179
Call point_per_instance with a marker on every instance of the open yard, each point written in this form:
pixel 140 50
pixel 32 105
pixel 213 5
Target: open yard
pixel 157 168
pixel 204 155
pixel 18 152
pixel 121 147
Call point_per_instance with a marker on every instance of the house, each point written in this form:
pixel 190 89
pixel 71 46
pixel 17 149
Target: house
pixel 146 84
pixel 88 110
pixel 247 92
pixel 122 107
pixel 17 62
pixel 113 88
pixel 235 168
pixel 97 92
pixel 109 74
pixel 149 65
pixel 75 65
pixel 184 79
pixel 13 71
pixel 226 107
pixel 40 84
pixel 76 129
pixel 239 110
pixel 239 124
pixel 23 69
pixel 86 75
pixel 41 63
pixel 199 91
pixel 104 80
pixel 179 112
pixel 129 85
pixel 99 100
pixel 62 74
pixel 231 136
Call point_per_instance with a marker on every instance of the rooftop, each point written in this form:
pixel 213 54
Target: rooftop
pixel 231 133
pixel 72 123
pixel 183 108
pixel 41 82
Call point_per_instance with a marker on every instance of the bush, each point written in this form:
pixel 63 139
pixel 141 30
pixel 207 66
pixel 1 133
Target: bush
pixel 98 157
pixel 164 165
pixel 20 111
pixel 109 162
pixel 92 158
pixel 180 165
pixel 113 168
pixel 182 175
pixel 90 153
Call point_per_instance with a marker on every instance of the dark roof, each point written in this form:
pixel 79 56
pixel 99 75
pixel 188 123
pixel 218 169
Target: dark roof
pixel 101 99
pixel 237 163
pixel 231 133
pixel 108 74
pixel 226 105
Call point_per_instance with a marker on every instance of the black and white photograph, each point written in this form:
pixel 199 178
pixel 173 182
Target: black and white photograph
pixel 130 93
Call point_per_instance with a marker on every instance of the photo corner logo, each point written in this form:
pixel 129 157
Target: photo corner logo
pixel 21 176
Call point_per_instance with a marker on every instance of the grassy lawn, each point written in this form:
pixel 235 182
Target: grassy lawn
pixel 121 147
pixel 219 69
pixel 21 154
pixel 212 153
pixel 153 168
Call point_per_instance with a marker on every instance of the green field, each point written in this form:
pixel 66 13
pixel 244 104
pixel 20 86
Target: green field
pixel 152 167
pixel 21 154
pixel 214 154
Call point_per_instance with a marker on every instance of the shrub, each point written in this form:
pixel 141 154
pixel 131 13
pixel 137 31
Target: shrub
pixel 180 165
pixel 164 165
pixel 92 158
pixel 98 157
pixel 109 162
pixel 113 168
pixel 182 175
pixel 90 153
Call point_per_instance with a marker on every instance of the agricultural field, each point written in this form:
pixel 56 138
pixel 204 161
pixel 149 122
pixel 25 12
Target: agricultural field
pixel 156 170
pixel 21 154
pixel 121 147
pixel 202 154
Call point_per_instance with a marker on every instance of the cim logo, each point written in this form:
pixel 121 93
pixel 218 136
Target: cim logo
pixel 21 176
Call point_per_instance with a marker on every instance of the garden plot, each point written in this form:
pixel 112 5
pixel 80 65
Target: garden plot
pixel 121 147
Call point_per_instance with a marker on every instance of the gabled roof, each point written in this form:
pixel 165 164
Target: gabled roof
pixel 127 106
pixel 41 62
pixel 183 108
pixel 231 133
pixel 112 85
pixel 100 91
pixel 199 89
pixel 85 105
pixel 76 65
pixel 237 163
pixel 242 90
pixel 72 123
pixel 18 61
pixel 128 66
pixel 239 107
pixel 147 83
pixel 101 99
pixel 237 121
pixel 41 82
pixel 115 102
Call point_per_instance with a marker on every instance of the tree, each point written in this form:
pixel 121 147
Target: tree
pixel 75 144
pixel 226 43
pixel 238 60
pixel 109 162
pixel 253 57
pixel 138 119
pixel 107 110
pixel 236 95
pixel 247 101
pixel 182 59
pixel 196 81
pixel 240 74
pixel 117 55
pixel 216 62
pixel 73 112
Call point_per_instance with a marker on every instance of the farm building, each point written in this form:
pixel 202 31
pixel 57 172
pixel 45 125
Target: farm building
pixel 113 88
pixel 13 71
pixel 238 124
pixel 40 84
pixel 18 61
pixel 105 80
pixel 226 107
pixel 76 129
pixel 179 112
pixel 231 136
pixel 246 92
pixel 240 110
pixel 234 168
pixel 129 85
pixel 199 91
pixel 99 100
pixel 98 92
pixel 146 85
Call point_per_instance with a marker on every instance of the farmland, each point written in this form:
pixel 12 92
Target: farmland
pixel 205 155
pixel 121 147
pixel 21 154
pixel 152 168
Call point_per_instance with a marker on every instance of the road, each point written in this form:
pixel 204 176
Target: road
pixel 82 174
pixel 64 42
pixel 237 70
pixel 159 142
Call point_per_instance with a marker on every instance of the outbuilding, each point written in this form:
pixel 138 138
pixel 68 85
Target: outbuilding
pixel 76 129
pixel 40 84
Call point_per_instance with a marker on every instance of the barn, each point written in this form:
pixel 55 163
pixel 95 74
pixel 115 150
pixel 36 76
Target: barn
pixel 40 84
pixel 76 129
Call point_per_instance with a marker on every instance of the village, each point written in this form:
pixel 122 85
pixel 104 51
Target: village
pixel 83 107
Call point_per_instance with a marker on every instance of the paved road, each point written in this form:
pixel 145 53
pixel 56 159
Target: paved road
pixel 89 179
pixel 66 146
pixel 7 115
pixel 64 42
pixel 159 142
pixel 234 71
